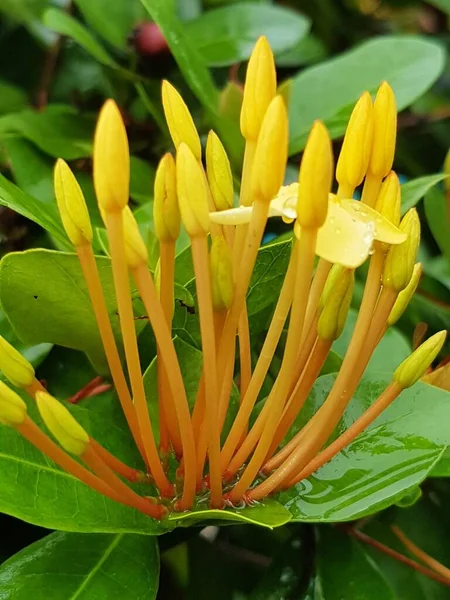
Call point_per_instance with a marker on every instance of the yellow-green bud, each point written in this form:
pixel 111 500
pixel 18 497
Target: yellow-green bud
pixel 416 365
pixel 179 120
pixel 13 410
pixel 405 296
pixel 62 425
pixel 355 152
pixel 219 173
pixel 400 259
pixel 269 163
pixel 166 212
pixel 135 248
pixel 315 178
pixel 111 159
pixel 335 303
pixel 259 90
pixel 14 366
pixel 192 192
pixel 390 199
pixel 384 132
pixel 221 274
pixel 72 205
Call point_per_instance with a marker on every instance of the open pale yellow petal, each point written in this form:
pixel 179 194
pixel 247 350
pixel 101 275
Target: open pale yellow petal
pixel 343 239
pixel 385 231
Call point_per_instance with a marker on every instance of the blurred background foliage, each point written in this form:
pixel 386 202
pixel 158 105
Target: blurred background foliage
pixel 60 59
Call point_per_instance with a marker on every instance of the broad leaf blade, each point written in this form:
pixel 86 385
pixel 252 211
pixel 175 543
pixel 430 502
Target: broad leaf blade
pixel 83 567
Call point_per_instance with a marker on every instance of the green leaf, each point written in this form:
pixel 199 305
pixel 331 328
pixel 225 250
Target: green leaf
pixel 64 24
pixel 442 468
pixel 389 353
pixel 59 131
pixel 228 34
pixel 415 190
pixel 195 72
pixel 443 5
pixel 410 64
pixel 54 303
pixel 396 453
pixel 142 176
pixel 436 213
pixel 122 17
pixel 83 567
pixel 23 11
pixel 12 98
pixel 35 354
pixel 309 49
pixel 42 213
pixel 355 577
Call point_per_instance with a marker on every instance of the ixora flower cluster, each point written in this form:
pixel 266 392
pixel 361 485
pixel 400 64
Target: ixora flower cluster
pixel 251 462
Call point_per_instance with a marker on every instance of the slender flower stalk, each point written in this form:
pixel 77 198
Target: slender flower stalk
pixel 313 301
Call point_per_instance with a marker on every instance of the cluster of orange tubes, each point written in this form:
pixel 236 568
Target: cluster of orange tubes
pixel 249 462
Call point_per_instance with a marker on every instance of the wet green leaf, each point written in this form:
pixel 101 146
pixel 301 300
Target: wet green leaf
pixel 83 567
pixel 396 453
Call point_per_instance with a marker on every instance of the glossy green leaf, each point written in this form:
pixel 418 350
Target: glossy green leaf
pixel 64 24
pixel 23 11
pixel 42 213
pixel 415 190
pixel 228 34
pixel 396 453
pixel 122 17
pixel 12 98
pixel 436 213
pixel 357 576
pixel 83 567
pixel 34 353
pixel 54 303
pixel 442 468
pixel 59 131
pixel 328 91
pixel 389 353
pixel 195 72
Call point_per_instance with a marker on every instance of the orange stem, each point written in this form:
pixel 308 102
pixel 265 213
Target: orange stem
pixel 94 462
pixel 31 432
pixel 421 555
pixel 278 396
pixel 262 366
pixel 119 467
pixel 199 247
pixel 92 278
pixel 114 226
pixel 244 353
pixel 149 296
pixel 168 417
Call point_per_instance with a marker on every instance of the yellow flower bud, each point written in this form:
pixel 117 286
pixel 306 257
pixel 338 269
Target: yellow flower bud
pixel 335 302
pixel 179 120
pixel 315 178
pixel 62 425
pixel 405 296
pixel 355 152
pixel 400 259
pixel 259 90
pixel 415 366
pixel 221 274
pixel 14 366
pixel 72 205
pixel 13 409
pixel 270 158
pixel 135 248
pixel 166 212
pixel 384 132
pixel 389 199
pixel 219 173
pixel 192 192
pixel 111 159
